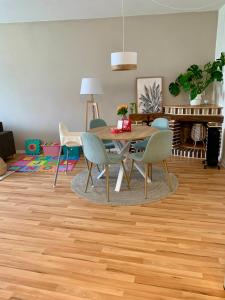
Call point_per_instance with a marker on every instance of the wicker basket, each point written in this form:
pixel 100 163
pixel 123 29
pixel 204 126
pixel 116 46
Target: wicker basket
pixel 3 167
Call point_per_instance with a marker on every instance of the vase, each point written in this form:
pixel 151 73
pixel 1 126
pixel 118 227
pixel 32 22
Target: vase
pixel 124 117
pixel 197 100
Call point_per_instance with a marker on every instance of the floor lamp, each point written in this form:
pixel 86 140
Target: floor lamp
pixel 91 86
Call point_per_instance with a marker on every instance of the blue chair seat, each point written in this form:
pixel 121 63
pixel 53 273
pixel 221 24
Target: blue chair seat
pixel 108 145
pixel 141 145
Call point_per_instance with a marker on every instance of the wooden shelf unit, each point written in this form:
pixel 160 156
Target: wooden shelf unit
pixel 177 115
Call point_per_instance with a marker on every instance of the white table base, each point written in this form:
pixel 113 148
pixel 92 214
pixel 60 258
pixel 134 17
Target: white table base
pixel 123 148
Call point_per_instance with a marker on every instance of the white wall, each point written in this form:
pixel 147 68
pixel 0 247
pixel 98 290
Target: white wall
pixel 41 66
pixel 220 89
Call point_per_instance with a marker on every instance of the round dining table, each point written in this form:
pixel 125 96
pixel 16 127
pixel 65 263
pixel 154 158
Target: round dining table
pixel 122 143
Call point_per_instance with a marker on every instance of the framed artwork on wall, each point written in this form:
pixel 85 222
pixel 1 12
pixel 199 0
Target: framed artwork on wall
pixel 149 95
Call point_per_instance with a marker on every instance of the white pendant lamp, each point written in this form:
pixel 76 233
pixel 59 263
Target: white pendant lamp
pixel 123 61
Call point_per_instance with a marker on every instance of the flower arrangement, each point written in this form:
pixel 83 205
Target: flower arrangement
pixel 122 110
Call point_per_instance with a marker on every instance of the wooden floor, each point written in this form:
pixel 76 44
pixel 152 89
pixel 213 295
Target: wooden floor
pixel 57 246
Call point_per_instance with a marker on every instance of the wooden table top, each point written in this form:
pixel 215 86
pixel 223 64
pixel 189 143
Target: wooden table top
pixel 137 133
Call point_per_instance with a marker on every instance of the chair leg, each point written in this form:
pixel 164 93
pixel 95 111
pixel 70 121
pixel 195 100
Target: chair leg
pixel 125 173
pixel 131 170
pixel 89 175
pixel 57 168
pixel 88 170
pixel 150 171
pixel 67 157
pixel 146 181
pixel 107 181
pixel 167 174
pixel 98 168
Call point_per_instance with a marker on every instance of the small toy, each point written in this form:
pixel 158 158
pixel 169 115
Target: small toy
pixel 51 149
pixel 32 146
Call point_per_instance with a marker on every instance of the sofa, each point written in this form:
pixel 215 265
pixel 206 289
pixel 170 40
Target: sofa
pixel 7 145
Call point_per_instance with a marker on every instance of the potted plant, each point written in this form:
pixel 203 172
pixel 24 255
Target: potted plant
pixel 122 110
pixel 196 79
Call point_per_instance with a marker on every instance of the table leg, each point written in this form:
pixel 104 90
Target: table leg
pixel 123 149
pixel 101 174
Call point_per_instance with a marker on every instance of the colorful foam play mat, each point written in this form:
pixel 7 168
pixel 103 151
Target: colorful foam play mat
pixel 41 163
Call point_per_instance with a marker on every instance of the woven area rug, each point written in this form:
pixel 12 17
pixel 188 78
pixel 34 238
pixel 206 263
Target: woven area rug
pixel 40 163
pixel 157 189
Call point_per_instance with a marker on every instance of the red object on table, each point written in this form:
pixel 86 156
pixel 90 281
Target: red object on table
pixel 126 125
pixel 115 130
pixel 123 125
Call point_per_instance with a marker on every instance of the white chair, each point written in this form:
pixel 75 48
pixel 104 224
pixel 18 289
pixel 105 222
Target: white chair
pixel 68 139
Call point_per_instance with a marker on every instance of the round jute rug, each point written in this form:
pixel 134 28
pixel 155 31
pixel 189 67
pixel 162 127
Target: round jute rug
pixel 157 189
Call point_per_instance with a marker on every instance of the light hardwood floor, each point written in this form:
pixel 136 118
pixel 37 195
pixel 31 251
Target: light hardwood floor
pixel 57 246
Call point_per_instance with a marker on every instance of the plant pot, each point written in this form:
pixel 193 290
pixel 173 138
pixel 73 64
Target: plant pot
pixel 197 100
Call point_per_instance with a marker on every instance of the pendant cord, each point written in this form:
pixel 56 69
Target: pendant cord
pixel 183 9
pixel 123 21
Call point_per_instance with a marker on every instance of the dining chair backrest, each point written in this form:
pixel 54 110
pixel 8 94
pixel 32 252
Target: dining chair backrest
pixel 67 136
pixel 160 123
pixel 159 147
pixel 93 148
pixel 97 123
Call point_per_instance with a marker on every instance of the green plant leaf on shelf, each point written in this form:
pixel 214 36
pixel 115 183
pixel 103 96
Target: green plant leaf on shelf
pixel 207 67
pixel 186 86
pixel 217 75
pixel 174 89
pixel 196 79
pixel 196 71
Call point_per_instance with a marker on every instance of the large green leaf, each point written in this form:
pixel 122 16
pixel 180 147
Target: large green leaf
pixel 174 89
pixel 196 71
pixel 185 78
pixel 186 86
pixel 217 75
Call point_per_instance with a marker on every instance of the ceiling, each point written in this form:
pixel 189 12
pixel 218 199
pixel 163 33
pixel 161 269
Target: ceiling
pixel 50 10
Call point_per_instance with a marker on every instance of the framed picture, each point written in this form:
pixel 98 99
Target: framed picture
pixel 133 107
pixel 149 95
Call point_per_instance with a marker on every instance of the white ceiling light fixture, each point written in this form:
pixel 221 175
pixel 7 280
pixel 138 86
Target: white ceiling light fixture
pixel 123 61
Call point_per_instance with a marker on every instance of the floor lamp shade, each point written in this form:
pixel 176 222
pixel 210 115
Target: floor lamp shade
pixel 91 86
pixel 122 61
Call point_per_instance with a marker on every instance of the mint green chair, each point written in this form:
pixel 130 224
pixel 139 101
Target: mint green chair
pixel 159 147
pixel 159 123
pixel 102 123
pixel 95 153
